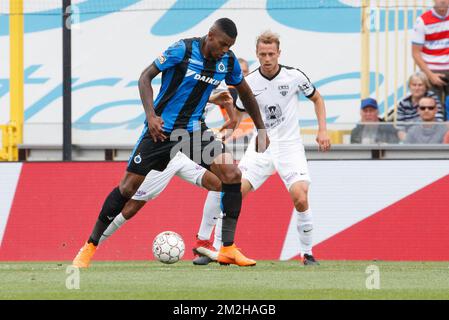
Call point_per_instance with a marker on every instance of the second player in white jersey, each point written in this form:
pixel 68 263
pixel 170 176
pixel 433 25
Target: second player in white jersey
pixel 275 88
pixel 277 98
pixel 278 101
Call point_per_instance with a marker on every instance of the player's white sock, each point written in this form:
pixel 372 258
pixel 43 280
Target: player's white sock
pixel 211 212
pixel 217 238
pixel 305 229
pixel 114 226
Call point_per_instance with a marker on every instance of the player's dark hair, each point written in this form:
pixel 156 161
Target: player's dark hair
pixel 227 26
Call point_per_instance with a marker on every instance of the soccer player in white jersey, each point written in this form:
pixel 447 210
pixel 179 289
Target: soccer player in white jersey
pixel 275 88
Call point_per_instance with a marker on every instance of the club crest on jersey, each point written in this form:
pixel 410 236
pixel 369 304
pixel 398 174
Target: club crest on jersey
pixel 221 67
pixel 273 116
pixel 161 59
pixel 138 159
pixel 273 112
pixel 283 89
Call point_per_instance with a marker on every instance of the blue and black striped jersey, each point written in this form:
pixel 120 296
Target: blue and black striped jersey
pixel 188 79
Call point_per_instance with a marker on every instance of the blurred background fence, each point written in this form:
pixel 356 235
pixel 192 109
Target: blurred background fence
pixel 349 49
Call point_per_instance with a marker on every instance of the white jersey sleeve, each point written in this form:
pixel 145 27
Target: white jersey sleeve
pixel 305 85
pixel 239 105
pixel 418 35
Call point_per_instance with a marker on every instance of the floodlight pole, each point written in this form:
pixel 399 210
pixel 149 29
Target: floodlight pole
pixel 67 81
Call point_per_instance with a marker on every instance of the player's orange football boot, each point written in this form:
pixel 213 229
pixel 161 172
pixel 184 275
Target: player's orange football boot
pixel 232 255
pixel 82 259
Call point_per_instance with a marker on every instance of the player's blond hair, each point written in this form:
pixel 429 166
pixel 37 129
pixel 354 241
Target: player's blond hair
pixel 268 37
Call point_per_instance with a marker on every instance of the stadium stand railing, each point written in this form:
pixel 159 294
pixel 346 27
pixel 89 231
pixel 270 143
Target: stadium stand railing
pixel 8 148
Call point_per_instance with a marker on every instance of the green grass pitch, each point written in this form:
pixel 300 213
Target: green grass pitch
pixel 268 280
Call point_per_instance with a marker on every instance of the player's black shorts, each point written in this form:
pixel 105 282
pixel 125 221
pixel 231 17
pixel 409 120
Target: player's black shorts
pixel 201 146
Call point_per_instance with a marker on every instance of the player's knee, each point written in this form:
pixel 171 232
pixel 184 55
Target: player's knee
pixel 211 182
pixel 231 176
pixel 215 185
pixel 131 208
pixel 130 183
pixel 301 202
pixel 128 189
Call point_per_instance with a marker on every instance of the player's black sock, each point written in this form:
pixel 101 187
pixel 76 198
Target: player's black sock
pixel 231 203
pixel 112 206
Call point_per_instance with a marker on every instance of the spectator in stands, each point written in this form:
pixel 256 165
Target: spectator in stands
pixel 446 137
pixel 372 129
pixel 446 108
pixel 407 111
pixel 430 48
pixel 427 131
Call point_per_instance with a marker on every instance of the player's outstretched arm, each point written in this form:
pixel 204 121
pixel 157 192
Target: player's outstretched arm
pixel 320 110
pixel 146 95
pixel 224 100
pixel 250 104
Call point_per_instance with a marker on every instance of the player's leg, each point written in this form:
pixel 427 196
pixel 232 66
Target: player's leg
pixel 211 211
pixel 299 194
pixel 211 216
pixel 198 175
pixel 291 164
pixel 129 210
pixel 256 168
pixel 231 203
pixel 112 206
pixel 213 204
pixel 214 157
pixel 146 156
pixel 155 182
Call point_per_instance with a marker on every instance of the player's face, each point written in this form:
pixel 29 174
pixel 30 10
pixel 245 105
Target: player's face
pixel 218 44
pixel 369 114
pixel 268 55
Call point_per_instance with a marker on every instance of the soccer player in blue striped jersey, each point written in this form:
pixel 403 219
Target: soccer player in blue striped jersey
pixel 191 69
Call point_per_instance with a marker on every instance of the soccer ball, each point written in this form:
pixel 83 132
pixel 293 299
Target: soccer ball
pixel 168 247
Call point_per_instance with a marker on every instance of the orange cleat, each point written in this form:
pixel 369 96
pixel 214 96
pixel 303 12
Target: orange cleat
pixel 82 259
pixel 232 255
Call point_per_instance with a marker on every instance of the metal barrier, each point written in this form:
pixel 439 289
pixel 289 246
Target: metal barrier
pixel 9 151
pixel 336 136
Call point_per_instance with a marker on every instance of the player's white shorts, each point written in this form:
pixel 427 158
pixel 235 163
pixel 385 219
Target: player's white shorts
pixel 288 159
pixel 156 181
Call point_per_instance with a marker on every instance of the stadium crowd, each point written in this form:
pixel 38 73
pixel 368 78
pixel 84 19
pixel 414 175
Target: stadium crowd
pixel 421 116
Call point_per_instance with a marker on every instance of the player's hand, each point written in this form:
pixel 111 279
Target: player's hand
pixel 438 79
pixel 228 128
pixel 323 141
pixel 155 127
pixel 262 140
pixel 221 98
